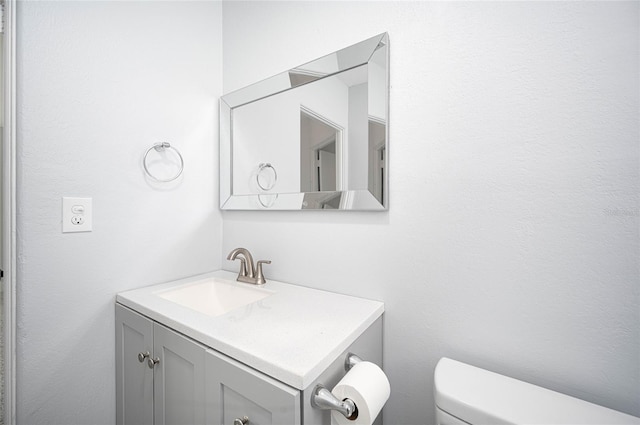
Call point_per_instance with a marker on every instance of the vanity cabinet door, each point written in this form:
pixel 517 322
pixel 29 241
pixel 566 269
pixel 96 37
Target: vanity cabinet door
pixel 235 391
pixel 134 379
pixel 179 382
pixel 159 374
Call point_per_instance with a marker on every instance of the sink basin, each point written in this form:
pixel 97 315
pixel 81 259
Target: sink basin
pixel 213 296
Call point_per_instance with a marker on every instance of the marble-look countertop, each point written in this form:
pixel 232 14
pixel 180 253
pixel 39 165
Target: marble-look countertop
pixel 292 335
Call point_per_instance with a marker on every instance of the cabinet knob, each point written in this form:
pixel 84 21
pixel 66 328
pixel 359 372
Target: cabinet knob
pixel 142 356
pixel 243 421
pixel 152 362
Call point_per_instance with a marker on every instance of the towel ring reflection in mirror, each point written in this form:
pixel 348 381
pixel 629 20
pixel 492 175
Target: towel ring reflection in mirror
pixel 268 199
pixel 159 147
pixel 266 176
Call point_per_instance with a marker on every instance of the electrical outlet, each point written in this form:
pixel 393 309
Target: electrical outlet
pixel 77 215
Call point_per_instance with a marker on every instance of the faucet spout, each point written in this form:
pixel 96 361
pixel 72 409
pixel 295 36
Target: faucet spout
pixel 246 266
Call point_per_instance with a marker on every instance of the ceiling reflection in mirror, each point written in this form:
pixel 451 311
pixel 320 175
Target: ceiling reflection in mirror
pixel 314 137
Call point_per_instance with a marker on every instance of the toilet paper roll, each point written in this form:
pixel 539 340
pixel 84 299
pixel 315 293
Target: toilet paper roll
pixel 368 387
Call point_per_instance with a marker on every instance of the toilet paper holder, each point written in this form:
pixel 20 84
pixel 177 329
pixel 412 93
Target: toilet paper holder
pixel 323 399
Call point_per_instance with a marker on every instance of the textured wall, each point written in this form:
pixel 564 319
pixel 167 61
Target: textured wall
pixel 99 83
pixel 512 239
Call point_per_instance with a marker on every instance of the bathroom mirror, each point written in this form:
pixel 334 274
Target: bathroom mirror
pixel 314 137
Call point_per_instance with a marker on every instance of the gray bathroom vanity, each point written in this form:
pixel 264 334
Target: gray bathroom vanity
pixel 208 349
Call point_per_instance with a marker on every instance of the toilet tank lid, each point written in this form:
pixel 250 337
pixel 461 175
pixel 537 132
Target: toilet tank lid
pixel 478 396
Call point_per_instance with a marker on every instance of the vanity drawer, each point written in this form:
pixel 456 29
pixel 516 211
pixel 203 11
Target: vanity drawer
pixel 235 391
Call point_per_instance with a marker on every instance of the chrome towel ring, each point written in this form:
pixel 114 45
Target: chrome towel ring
pixel 158 147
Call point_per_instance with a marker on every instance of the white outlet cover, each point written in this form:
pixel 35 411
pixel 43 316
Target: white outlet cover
pixel 77 215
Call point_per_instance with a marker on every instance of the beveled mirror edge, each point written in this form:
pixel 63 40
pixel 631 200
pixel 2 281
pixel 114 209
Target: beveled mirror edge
pixel 271 85
pixel 228 201
pixel 225 164
pixel 304 201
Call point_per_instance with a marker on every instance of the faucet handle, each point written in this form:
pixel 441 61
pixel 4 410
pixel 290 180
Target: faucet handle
pixel 259 275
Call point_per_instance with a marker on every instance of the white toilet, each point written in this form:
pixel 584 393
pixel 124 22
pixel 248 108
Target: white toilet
pixel 469 395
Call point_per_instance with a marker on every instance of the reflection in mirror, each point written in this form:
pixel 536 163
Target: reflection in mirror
pixel 314 137
pixel 320 152
pixel 377 148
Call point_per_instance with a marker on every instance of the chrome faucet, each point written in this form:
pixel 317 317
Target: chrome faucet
pixel 248 273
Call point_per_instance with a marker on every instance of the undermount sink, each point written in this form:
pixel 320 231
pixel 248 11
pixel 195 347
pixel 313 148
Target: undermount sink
pixel 213 296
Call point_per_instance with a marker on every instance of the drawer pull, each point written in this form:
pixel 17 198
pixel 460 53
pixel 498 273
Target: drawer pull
pixel 142 356
pixel 243 421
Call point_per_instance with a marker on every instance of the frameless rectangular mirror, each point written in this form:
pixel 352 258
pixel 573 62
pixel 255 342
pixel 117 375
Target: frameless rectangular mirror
pixel 313 137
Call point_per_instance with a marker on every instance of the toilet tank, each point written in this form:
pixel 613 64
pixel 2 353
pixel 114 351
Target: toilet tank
pixel 466 394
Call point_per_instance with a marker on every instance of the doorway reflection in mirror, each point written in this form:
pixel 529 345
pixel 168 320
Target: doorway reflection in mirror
pixel 321 153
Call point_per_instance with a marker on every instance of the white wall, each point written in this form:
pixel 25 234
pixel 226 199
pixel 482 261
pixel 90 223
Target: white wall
pixel 512 239
pixel 99 83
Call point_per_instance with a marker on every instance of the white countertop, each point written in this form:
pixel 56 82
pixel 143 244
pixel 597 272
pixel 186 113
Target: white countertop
pixel 292 335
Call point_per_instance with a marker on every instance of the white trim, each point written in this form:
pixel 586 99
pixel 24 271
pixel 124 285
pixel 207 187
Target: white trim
pixel 9 212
